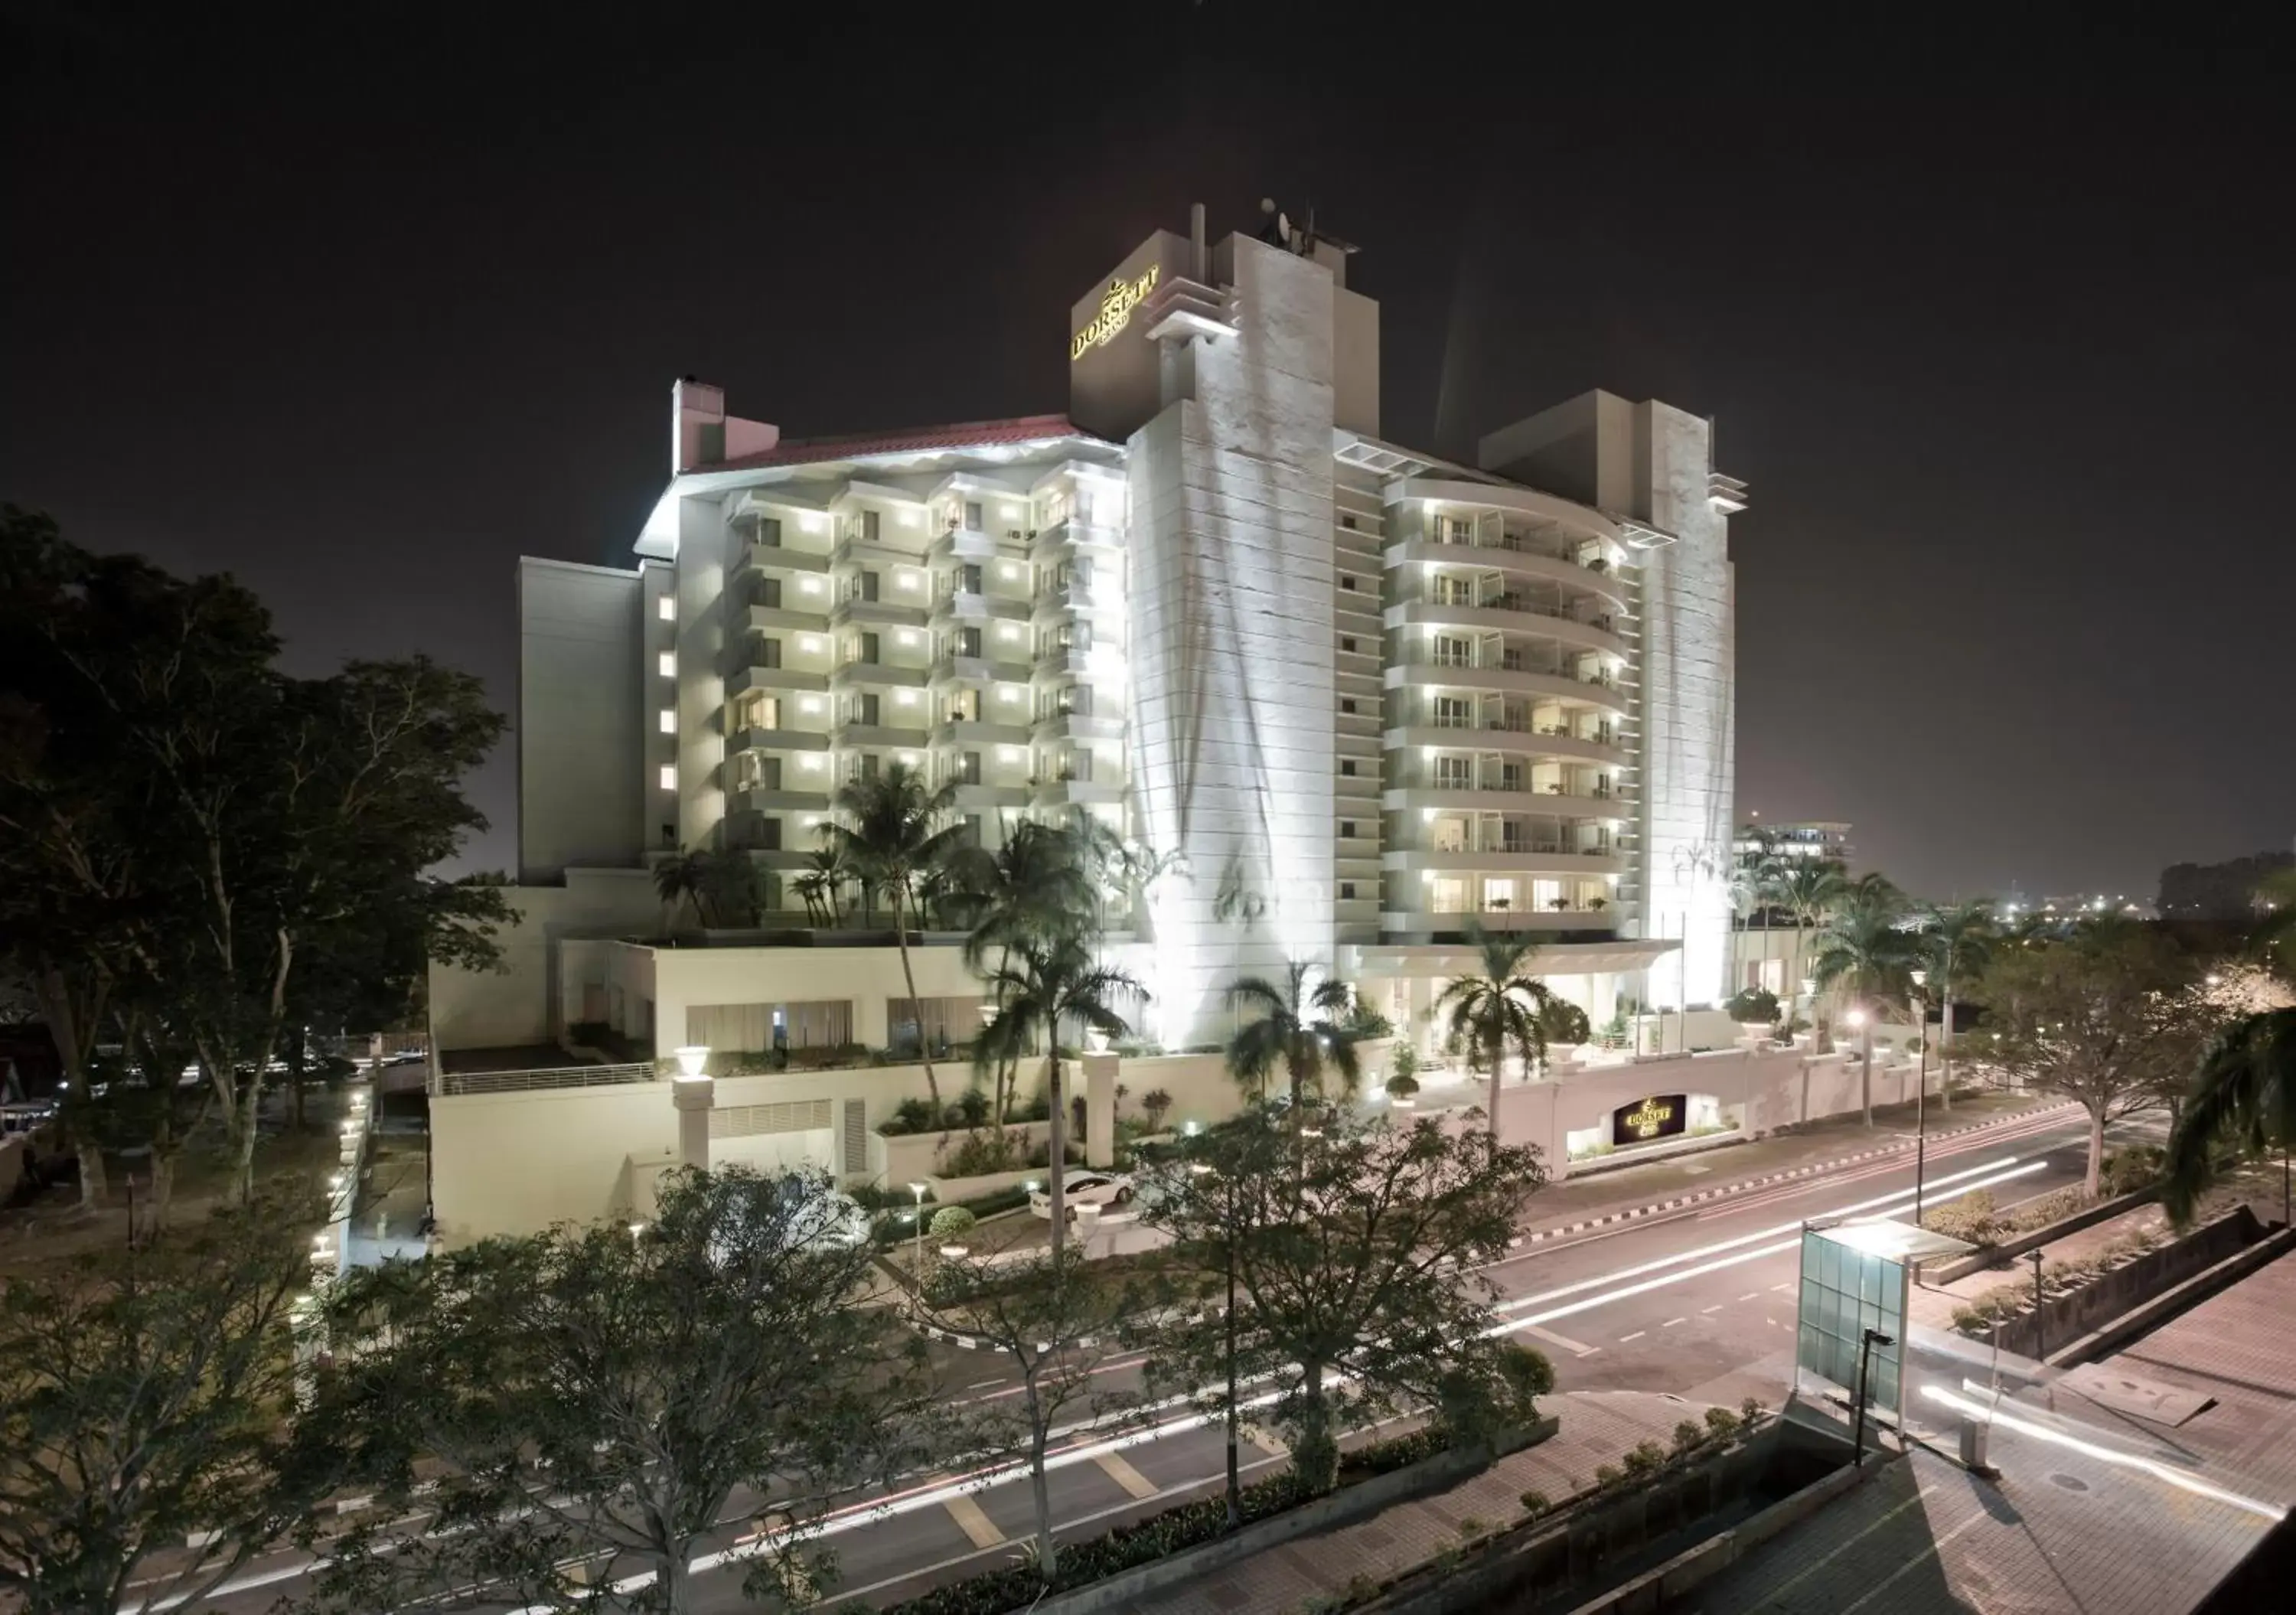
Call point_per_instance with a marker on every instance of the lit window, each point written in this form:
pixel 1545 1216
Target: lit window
pixel 668 720
pixel 670 776
pixel 667 662
pixel 666 608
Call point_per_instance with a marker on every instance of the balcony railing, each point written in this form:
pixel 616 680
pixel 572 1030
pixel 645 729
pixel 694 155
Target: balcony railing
pixel 455 1084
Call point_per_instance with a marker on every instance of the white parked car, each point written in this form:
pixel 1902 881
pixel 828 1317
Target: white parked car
pixel 1085 1188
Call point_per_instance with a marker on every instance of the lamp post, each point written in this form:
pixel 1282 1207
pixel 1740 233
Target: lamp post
pixel 1873 1336
pixel 1862 1023
pixel 1810 1003
pixel 1921 1088
pixel 1227 1250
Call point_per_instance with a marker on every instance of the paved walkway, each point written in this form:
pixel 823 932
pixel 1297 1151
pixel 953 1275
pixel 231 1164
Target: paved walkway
pixel 1596 1427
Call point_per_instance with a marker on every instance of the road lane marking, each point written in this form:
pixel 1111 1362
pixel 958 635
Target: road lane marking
pixel 1576 1348
pixel 1122 1472
pixel 1670 1323
pixel 972 1520
pixel 1636 1336
pixel 1784 1289
pixel 984 1384
pixel 1749 1295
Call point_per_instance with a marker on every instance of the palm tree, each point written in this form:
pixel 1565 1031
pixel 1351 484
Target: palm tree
pixel 1864 949
pixel 1034 889
pixel 684 879
pixel 1044 984
pixel 895 835
pixel 819 886
pixel 1808 888
pixel 2244 1090
pixel 1299 1028
pixel 1958 937
pixel 1503 1007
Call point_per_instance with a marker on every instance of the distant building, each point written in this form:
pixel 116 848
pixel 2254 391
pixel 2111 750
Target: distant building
pixel 2225 892
pixel 1798 838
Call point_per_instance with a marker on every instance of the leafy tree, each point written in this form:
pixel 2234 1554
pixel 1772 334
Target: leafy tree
pixel 1958 938
pixel 1355 1264
pixel 1043 985
pixel 2106 1017
pixel 589 1402
pixel 1807 889
pixel 896 833
pixel 1501 1008
pixel 146 1401
pixel 1865 949
pixel 1303 1026
pixel 1018 1309
pixel 2243 1092
pixel 1752 1006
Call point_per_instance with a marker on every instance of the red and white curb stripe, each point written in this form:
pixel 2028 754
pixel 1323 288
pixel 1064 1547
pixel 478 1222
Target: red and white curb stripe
pixel 1813 1170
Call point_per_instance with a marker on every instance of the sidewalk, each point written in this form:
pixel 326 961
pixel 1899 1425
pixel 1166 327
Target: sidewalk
pixel 1597 1426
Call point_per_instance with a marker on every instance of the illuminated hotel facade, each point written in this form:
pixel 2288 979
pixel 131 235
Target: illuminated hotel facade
pixel 1373 697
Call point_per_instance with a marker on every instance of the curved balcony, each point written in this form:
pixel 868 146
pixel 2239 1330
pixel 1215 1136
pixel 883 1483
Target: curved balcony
pixel 1604 580
pixel 778 739
pixel 1553 803
pixel 1579 519
pixel 755 677
pixel 1511 681
pixel 781 558
pixel 1515 742
pixel 1502 861
pixel 1524 619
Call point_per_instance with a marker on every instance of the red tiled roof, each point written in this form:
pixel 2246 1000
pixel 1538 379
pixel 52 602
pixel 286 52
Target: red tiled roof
pixel 964 434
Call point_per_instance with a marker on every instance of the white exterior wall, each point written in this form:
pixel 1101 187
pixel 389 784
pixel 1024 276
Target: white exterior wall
pixel 1689 710
pixel 477 1009
pixel 579 745
pixel 708 637
pixel 1231 583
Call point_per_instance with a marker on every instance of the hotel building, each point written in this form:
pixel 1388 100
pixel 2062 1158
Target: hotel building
pixel 1375 697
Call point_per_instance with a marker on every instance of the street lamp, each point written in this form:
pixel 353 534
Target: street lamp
pixel 1921 1088
pixel 919 1214
pixel 1227 1250
pixel 1873 1336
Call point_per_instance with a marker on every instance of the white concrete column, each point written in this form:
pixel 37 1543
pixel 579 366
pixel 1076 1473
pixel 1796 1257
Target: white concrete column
pixel 695 1097
pixel 1100 1110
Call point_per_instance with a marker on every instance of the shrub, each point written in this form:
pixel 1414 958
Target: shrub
pixel 1969 1320
pixel 1402 1085
pixel 1472 1526
pixel 1750 1410
pixel 1607 1475
pixel 1688 1435
pixel 1406 1062
pixel 1534 1503
pixel 1645 1458
pixel 1563 1022
pixel 1155 1104
pixel 1756 1006
pixel 909 1116
pixel 1972 1217
pixel 2042 1210
pixel 1721 1420
pixel 2125 1171
pixel 952 1222
pixel 980 1153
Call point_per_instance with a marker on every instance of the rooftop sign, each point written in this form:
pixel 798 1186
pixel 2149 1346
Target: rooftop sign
pixel 1115 306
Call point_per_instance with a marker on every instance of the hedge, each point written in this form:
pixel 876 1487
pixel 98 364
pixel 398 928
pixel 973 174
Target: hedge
pixel 1187 1525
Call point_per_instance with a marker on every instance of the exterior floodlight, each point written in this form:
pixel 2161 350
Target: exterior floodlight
pixel 693 1060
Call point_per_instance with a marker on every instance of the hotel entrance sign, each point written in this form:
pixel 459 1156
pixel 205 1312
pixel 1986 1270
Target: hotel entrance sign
pixel 1661 1116
pixel 1115 306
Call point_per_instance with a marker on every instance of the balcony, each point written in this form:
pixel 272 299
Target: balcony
pixel 1077 794
pixel 1064 659
pixel 979 669
pixel 781 558
pixel 1513 681
pixel 809 615
pixel 1079 727
pixel 757 799
pixel 1103 600
pixel 879 676
pixel 979 731
pixel 1529 857
pixel 778 739
pixel 1503 799
pixel 971 544
pixel 880 613
pixel 756 676
pixel 989 797
pixel 966 606
pixel 1515 742
pixel 1518 562
pixel 1421 923
pixel 876 554
pixel 1535 621
pixel 1070 535
pixel 884 736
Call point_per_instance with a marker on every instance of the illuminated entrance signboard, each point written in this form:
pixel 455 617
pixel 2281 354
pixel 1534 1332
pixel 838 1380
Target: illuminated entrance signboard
pixel 1661 1116
pixel 1115 306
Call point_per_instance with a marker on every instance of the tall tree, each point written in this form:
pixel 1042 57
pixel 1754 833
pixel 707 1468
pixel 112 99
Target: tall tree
pixel 2105 1016
pixel 895 833
pixel 1500 1007
pixel 1865 949
pixel 1301 1026
pixel 1043 985
pixel 1958 939
pixel 683 881
pixel 1806 889
pixel 585 1404
pixel 147 1408
pixel 1033 890
pixel 1079 1310
pixel 1356 1265
pixel 2242 1092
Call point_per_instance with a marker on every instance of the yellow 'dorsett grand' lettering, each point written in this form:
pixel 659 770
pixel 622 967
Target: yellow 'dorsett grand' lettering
pixel 1647 1118
pixel 1115 306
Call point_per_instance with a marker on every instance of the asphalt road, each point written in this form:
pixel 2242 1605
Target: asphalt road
pixel 1674 1302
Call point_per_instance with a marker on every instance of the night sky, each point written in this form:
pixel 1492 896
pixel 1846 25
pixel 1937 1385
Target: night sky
pixel 362 303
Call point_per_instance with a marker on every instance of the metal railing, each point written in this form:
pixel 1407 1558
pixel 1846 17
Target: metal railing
pixel 454 1085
